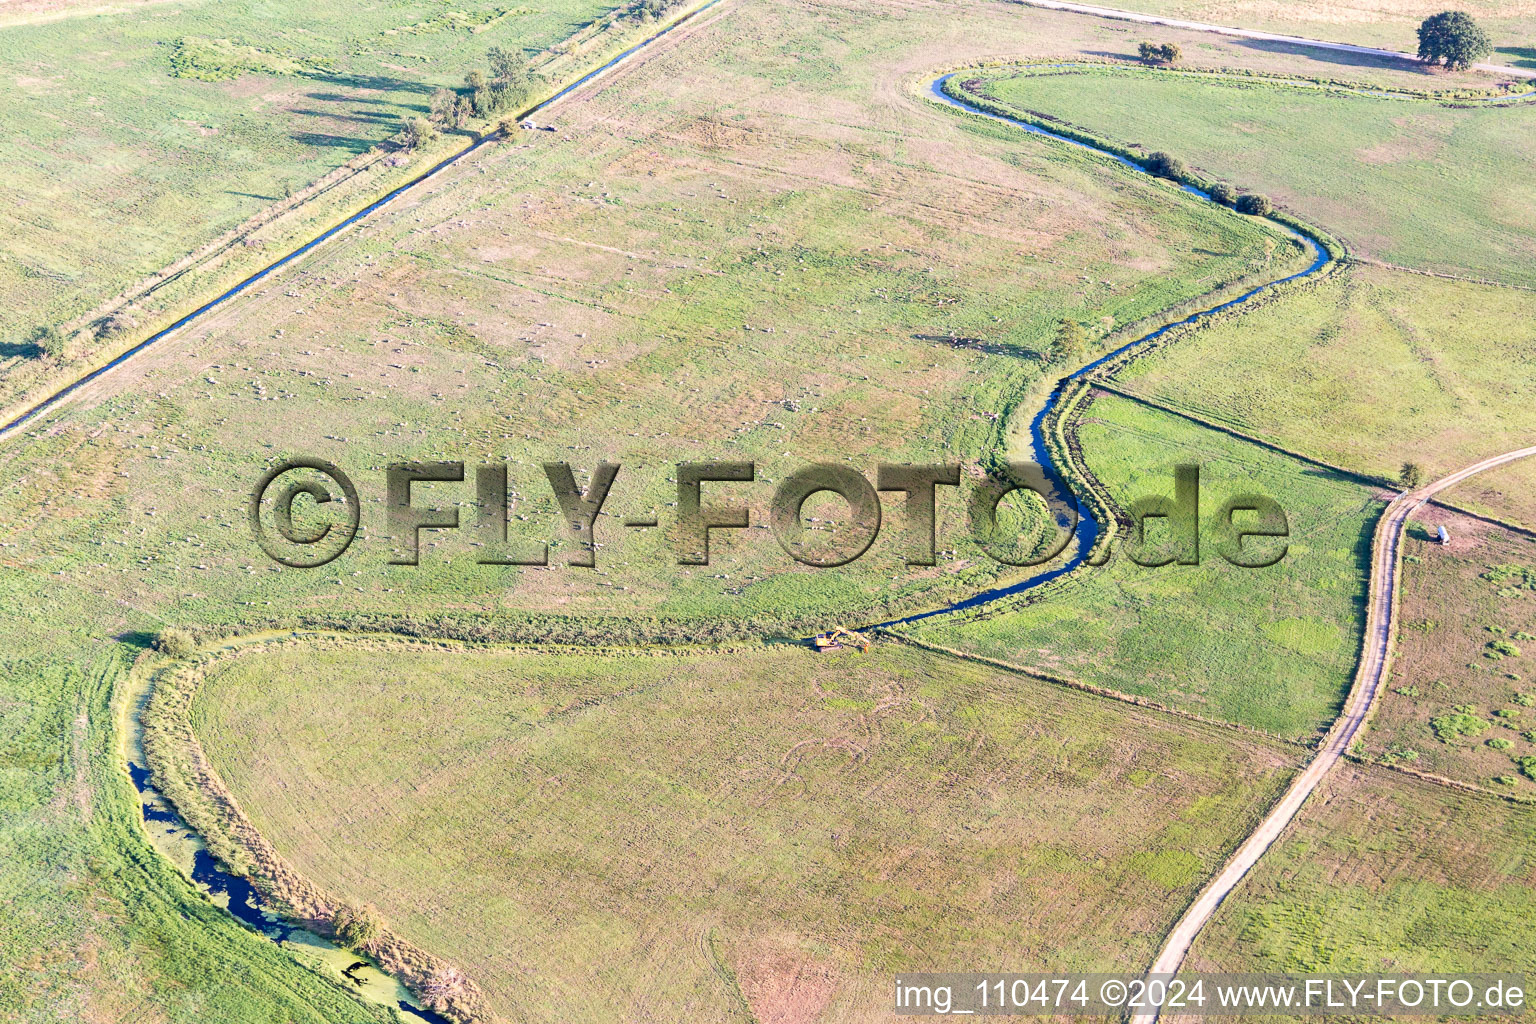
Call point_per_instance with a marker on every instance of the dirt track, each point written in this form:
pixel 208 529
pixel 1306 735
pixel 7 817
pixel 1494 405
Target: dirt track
pixel 1374 660
pixel 1273 37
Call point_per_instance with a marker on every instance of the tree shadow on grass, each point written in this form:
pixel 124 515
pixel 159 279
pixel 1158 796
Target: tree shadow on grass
pixel 324 140
pixel 1519 56
pixel 142 639
pixel 1318 53
pixel 20 350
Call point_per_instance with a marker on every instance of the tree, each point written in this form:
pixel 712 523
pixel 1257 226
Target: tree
pixel 49 342
pixel 1222 193
pixel 1149 52
pixel 510 69
pixel 1411 476
pixel 1070 340
pixel 1171 53
pixel 443 108
pixel 1452 37
pixel 1165 166
pixel 414 131
pixel 1255 203
pixel 474 81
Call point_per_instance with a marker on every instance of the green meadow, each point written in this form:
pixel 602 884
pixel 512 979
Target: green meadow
pixel 1408 181
pixel 1274 647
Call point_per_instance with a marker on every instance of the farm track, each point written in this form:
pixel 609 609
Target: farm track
pixel 1374 661
pixel 1270 37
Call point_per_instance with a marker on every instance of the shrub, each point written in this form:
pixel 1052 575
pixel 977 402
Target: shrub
pixel 1071 338
pixel 1165 166
pixel 1527 765
pixel 113 326
pixel 1223 193
pixel 1167 53
pixel 1255 203
pixel 1460 722
pixel 1500 743
pixel 1526 700
pixel 444 108
pixel 414 131
pixel 1506 780
pixel 175 642
pixel 357 927
pixel 48 342
pixel 1505 648
pixel 1411 476
pixel 1452 37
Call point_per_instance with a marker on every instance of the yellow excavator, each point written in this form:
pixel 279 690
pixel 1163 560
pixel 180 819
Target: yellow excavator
pixel 839 637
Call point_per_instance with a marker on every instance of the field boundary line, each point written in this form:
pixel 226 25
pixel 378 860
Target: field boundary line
pixel 1371 674
pixel 1439 275
pixel 1088 688
pixel 1106 384
pixel 1432 779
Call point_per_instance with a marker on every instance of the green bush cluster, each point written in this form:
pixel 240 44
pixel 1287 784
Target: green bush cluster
pixel 1160 53
pixel 483 96
pixel 1462 721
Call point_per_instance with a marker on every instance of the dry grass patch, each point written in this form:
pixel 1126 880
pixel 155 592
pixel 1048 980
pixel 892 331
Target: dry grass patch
pixel 599 835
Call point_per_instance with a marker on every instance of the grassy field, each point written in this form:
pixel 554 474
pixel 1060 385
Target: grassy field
pixel 706 835
pixel 1273 648
pixel 1389 24
pixel 1414 183
pixel 1368 369
pixel 1462 703
pixel 140 135
pixel 1384 873
pixel 765 138
pixel 674 276
pixel 1508 492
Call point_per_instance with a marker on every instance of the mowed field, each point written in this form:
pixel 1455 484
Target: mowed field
pixel 1388 24
pixel 1369 369
pixel 724 837
pixel 1407 181
pixel 728 254
pixel 1384 873
pixel 137 134
pixel 125 511
pixel 1462 703
pixel 1273 647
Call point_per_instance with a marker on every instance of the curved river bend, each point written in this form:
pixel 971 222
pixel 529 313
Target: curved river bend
pixel 170 834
